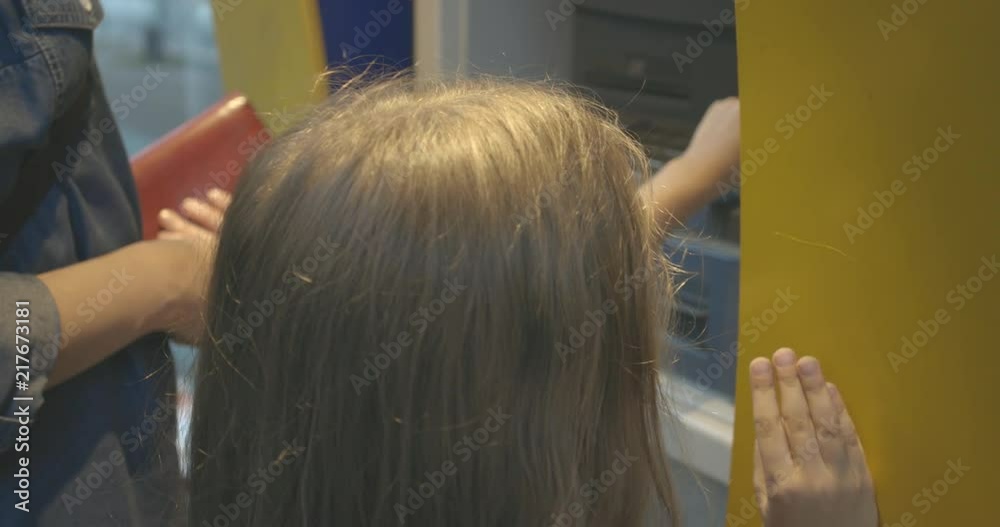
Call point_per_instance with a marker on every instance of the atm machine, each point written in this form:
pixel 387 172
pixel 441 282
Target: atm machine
pixel 660 64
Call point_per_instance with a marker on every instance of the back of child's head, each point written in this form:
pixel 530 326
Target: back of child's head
pixel 437 304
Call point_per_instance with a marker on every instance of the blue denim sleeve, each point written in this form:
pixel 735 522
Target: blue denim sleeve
pixel 26 355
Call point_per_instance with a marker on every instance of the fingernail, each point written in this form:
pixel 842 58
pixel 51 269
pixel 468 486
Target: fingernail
pixel 760 367
pixel 784 357
pixel 214 193
pixel 808 366
pixel 164 213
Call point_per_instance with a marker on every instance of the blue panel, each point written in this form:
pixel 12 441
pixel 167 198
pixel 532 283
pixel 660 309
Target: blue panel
pixel 358 32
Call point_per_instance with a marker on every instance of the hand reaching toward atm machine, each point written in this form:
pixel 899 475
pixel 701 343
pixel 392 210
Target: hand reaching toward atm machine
pixel 708 168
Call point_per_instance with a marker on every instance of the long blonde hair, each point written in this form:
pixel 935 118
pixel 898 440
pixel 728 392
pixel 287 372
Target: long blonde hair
pixel 438 304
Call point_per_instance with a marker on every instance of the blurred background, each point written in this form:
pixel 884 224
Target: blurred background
pixel 176 35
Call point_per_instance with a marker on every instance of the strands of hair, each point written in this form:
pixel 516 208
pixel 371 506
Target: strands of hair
pixel 436 303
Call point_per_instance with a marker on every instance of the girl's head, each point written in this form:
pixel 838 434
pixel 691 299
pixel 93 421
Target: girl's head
pixel 437 304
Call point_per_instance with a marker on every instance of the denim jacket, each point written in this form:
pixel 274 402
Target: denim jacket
pixel 99 447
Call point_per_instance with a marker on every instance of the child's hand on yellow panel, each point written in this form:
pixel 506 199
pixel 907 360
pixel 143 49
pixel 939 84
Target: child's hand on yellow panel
pixel 810 468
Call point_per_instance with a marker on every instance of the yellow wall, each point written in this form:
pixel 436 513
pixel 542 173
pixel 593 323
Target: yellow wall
pixel 860 294
pixel 273 52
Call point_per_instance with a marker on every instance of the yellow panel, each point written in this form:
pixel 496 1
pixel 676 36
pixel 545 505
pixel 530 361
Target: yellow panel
pixel 273 52
pixel 923 82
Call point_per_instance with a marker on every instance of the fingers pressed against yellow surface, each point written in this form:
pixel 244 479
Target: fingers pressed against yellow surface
pixel 852 445
pixel 795 409
pixel 771 441
pixel 825 417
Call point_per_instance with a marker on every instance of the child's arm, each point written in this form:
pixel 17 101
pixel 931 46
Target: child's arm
pixel 709 165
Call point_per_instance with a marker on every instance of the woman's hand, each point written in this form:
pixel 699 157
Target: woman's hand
pixel 809 468
pixel 194 235
pixel 198 220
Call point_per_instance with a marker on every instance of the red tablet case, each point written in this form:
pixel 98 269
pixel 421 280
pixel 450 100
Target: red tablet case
pixel 208 151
